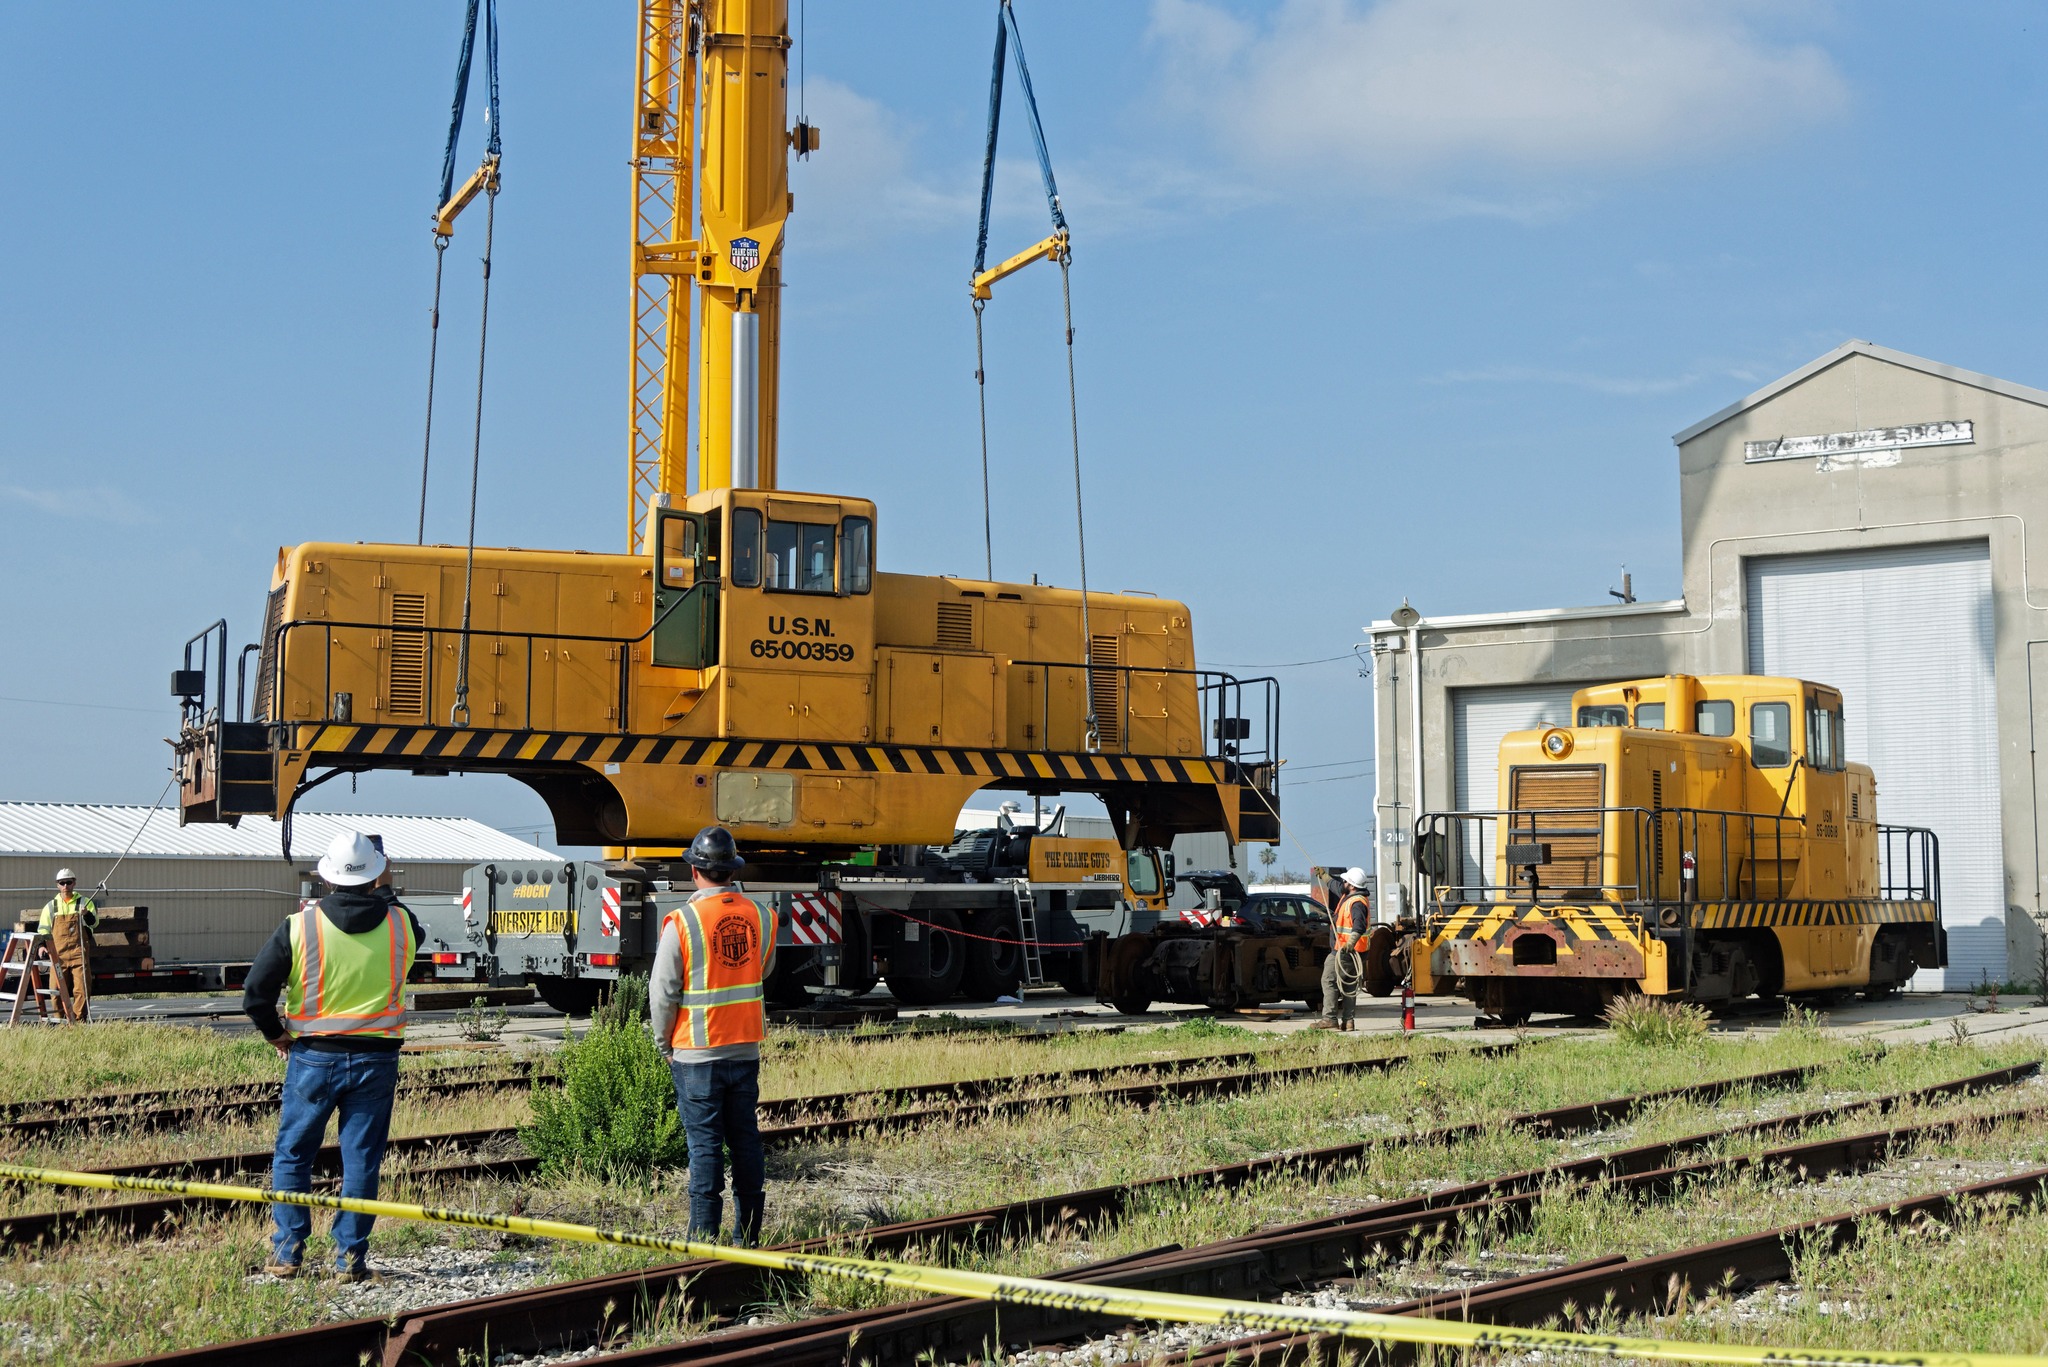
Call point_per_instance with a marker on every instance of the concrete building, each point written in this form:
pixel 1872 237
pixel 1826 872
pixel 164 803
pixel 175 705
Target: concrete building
pixel 215 893
pixel 1863 522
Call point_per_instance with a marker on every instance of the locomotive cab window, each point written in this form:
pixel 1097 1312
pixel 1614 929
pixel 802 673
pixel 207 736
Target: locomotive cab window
pixel 1603 716
pixel 1824 734
pixel 746 548
pixel 1770 734
pixel 1650 716
pixel 1714 717
pixel 856 555
pixel 799 557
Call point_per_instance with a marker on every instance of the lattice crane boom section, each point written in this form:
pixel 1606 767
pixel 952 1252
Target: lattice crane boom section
pixel 710 198
pixel 664 158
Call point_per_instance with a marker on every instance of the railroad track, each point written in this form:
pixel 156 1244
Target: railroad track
pixel 570 1315
pixel 1318 1251
pixel 144 1215
pixel 136 1112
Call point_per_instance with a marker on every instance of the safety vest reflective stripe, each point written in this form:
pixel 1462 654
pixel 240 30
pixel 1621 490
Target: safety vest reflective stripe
pixel 723 939
pixel 721 996
pixel 345 984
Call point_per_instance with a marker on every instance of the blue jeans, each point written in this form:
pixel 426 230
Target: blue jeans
pixel 317 1083
pixel 717 1101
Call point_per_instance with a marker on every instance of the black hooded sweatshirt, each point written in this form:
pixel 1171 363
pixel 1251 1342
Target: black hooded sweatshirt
pixel 350 910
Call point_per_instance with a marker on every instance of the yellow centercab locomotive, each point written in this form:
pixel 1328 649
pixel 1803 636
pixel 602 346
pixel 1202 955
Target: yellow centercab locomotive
pixel 1704 839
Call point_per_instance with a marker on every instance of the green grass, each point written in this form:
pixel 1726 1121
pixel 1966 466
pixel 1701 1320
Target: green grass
pixel 109 1297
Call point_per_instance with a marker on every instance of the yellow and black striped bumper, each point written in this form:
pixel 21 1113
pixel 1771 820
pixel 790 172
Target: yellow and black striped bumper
pixel 477 748
pixel 1855 912
pixel 1505 940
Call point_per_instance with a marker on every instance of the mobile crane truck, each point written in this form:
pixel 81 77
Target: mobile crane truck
pixel 744 663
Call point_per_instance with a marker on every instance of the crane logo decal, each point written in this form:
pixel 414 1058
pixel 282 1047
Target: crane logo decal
pixel 745 253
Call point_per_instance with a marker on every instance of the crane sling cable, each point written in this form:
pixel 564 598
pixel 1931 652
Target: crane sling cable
pixel 451 203
pixel 484 180
pixel 1056 247
pixel 1080 1298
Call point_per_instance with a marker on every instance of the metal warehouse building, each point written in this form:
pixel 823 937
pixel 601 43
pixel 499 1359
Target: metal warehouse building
pixel 1863 522
pixel 215 893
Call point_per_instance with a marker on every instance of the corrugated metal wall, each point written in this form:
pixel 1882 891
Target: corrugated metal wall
pixel 200 910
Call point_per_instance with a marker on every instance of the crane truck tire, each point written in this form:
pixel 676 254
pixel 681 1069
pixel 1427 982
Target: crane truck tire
pixel 940 980
pixel 995 961
pixel 571 996
pixel 1380 977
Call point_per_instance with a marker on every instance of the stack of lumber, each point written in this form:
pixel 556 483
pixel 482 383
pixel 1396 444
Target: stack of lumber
pixel 119 945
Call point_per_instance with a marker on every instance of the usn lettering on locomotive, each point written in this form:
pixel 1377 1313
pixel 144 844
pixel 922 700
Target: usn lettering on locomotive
pixel 811 647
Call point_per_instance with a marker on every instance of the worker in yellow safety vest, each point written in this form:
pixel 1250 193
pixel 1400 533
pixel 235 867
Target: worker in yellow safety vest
pixel 709 1016
pixel 1349 925
pixel 341 964
pixel 67 923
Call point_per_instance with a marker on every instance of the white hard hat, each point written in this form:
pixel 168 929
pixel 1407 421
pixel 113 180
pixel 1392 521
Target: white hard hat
pixel 1356 876
pixel 351 861
pixel 66 876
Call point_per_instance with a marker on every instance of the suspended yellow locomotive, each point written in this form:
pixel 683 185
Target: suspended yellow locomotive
pixel 1704 839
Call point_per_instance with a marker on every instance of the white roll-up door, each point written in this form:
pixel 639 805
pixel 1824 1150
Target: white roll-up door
pixel 1906 634
pixel 1479 718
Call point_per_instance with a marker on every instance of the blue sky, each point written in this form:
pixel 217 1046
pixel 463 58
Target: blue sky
pixel 1373 300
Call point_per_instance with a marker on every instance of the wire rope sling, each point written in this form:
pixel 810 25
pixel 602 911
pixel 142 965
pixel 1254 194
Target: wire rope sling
pixel 1056 247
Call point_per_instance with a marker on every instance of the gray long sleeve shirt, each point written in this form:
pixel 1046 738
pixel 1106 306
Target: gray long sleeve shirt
pixel 665 994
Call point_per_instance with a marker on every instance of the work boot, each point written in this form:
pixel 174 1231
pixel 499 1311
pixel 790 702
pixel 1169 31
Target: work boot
pixel 282 1271
pixel 1324 1024
pixel 357 1273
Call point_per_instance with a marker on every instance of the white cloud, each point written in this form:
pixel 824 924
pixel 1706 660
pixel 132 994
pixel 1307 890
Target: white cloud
pixel 860 181
pixel 1414 92
pixel 99 502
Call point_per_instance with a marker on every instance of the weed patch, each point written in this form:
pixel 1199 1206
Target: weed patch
pixel 1654 1023
pixel 614 1114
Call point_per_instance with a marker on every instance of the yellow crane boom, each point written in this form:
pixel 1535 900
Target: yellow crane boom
pixel 715 74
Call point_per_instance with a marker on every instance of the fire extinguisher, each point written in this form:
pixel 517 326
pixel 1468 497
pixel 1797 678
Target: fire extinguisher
pixel 1408 1007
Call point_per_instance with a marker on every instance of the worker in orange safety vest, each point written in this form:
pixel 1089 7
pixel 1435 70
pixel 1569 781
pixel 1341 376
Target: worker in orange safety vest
pixel 709 1014
pixel 1349 925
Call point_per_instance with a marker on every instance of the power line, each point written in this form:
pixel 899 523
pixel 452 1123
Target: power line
pixel 1297 768
pixel 95 706
pixel 1291 664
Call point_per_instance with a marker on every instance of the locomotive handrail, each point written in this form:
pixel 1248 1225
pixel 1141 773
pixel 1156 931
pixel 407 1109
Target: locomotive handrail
pixel 1909 856
pixel 1219 694
pixel 1445 832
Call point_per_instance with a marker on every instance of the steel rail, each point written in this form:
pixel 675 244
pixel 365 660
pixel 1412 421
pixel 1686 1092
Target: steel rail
pixel 545 1318
pixel 142 1215
pixel 112 1105
pixel 165 1109
pixel 1309 1253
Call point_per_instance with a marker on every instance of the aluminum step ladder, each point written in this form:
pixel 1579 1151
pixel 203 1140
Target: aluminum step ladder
pixel 1027 926
pixel 20 965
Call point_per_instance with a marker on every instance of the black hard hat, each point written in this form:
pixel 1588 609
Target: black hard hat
pixel 714 851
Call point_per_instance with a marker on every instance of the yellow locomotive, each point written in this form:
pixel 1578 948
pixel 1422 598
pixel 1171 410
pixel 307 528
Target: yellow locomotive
pixel 1700 838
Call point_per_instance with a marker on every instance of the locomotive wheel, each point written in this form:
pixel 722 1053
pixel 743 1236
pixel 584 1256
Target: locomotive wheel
pixel 1132 1003
pixel 994 966
pixel 948 963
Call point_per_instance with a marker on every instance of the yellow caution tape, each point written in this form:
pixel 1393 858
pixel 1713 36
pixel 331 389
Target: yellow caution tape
pixel 1081 1299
